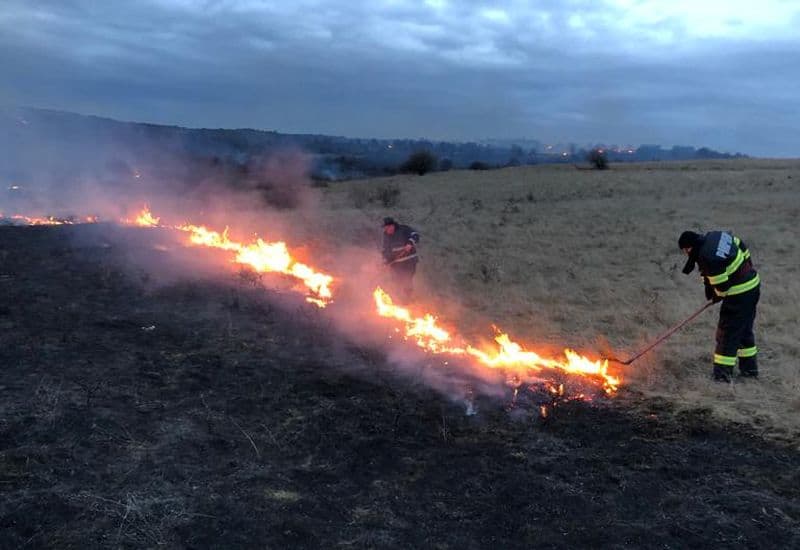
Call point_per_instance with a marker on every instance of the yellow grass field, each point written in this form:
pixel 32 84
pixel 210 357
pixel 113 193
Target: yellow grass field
pixel 588 259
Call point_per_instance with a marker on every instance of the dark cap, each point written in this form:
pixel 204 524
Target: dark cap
pixel 688 239
pixel 388 221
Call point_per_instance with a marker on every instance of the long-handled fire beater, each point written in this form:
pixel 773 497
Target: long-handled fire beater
pixel 663 337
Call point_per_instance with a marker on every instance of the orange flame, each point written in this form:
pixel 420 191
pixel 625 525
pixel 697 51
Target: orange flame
pixel 510 355
pixel 261 256
pixel 423 330
pixel 265 257
pixel 146 219
pixel 48 220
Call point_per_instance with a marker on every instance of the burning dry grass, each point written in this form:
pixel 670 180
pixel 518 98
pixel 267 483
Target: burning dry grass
pixel 588 260
pixel 519 365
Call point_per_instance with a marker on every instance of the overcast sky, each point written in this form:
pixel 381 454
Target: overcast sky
pixel 721 73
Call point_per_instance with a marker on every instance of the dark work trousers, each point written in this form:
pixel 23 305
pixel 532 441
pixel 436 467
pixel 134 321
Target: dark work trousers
pixel 735 338
pixel 403 279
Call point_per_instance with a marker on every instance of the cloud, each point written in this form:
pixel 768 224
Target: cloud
pixel 579 70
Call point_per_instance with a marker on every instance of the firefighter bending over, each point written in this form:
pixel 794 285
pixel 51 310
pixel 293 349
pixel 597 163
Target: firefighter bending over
pixel 400 255
pixel 729 276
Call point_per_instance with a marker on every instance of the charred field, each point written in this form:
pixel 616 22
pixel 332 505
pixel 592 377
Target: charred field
pixel 201 414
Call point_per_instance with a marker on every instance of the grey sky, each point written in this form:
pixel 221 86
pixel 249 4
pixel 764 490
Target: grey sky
pixel 725 74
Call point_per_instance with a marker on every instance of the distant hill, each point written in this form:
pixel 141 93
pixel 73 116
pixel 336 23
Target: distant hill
pixel 38 143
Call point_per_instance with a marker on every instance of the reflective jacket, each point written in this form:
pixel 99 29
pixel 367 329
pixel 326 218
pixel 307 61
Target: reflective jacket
pixel 394 244
pixel 725 264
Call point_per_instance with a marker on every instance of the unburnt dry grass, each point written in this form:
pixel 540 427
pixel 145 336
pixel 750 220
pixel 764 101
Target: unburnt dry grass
pixel 588 259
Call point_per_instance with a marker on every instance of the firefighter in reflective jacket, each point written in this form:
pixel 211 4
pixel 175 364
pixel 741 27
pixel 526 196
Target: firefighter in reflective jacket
pixel 728 274
pixel 400 255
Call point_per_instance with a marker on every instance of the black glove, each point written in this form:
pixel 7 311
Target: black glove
pixel 710 294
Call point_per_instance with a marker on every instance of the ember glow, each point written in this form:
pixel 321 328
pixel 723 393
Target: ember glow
pixel 509 355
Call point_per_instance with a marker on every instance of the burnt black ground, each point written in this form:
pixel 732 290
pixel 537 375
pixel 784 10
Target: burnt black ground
pixel 236 423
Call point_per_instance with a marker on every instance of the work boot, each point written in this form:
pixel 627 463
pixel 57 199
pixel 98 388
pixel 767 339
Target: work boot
pixel 748 368
pixel 722 373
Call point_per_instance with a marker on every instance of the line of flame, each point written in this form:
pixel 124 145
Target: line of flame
pixel 261 256
pixel 47 220
pixel 511 356
pixel 274 257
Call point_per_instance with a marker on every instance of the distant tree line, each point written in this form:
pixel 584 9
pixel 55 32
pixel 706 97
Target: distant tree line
pixel 231 154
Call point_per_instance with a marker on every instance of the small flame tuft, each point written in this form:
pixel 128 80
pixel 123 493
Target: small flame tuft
pixel 146 218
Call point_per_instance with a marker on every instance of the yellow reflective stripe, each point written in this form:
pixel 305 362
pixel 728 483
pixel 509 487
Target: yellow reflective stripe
pixel 735 264
pixel 738 242
pixel 743 287
pixel 730 270
pixel 747 352
pixel 718 279
pixel 726 360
